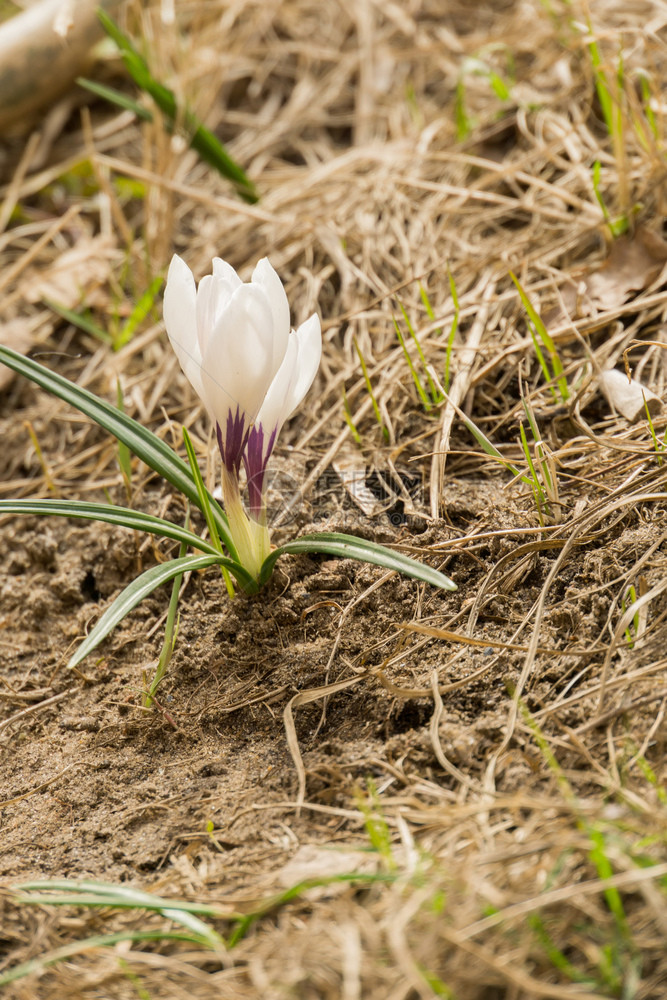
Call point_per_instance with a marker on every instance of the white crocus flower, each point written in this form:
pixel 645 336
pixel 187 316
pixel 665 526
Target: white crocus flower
pixel 235 346
pixel 290 384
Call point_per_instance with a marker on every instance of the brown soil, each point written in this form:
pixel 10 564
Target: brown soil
pixel 516 749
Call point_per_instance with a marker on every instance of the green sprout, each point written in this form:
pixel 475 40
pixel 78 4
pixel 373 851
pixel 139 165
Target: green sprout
pixel 610 104
pixel 632 630
pixel 433 397
pixel 369 388
pixel 453 328
pixel 541 473
pixel 170 634
pixel 347 415
pixel 476 65
pixel 658 445
pixel 647 97
pixel 552 368
pixel 616 226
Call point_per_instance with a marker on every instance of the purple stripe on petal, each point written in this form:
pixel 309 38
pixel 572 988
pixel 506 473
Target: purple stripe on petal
pixel 234 441
pixel 255 459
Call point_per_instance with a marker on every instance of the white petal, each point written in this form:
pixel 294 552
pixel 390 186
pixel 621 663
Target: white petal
pixel 222 269
pixel 237 365
pixel 265 276
pixel 272 413
pixel 309 344
pixel 180 320
pixel 205 310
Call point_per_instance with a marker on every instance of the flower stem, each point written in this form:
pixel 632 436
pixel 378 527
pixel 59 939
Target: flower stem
pixel 250 537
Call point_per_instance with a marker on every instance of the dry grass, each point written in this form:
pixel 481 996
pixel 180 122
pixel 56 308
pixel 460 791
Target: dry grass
pixel 524 841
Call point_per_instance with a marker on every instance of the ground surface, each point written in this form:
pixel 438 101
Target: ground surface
pixel 488 764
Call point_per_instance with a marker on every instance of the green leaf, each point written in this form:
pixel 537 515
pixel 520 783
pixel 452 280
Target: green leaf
pixel 145 445
pixel 209 147
pixel 89 893
pixel 141 310
pixel 84 893
pixel 81 321
pixel 124 516
pixel 37 965
pixel 141 587
pixel 115 97
pixel 350 547
pixel 557 367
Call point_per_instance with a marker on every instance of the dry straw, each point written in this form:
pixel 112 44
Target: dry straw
pixel 514 733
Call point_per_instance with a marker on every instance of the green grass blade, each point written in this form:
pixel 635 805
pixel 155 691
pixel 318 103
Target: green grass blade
pixel 546 339
pixel 347 414
pixel 369 388
pixel 89 893
pixel 123 516
pixel 546 371
pixel 36 965
pixel 295 891
pixel 141 587
pixel 420 388
pixel 202 140
pixel 601 86
pixel 453 329
pixel 536 487
pixel 141 310
pixel 80 321
pixel 426 302
pixel 116 97
pixel 142 442
pixel 645 86
pixel 170 633
pixel 435 394
pixel 350 547
pixel 109 894
pixel 464 124
pixel 489 448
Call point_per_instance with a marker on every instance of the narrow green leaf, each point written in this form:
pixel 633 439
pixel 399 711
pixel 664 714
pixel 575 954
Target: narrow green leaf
pixel 116 97
pixel 145 445
pixel 601 85
pixel 295 891
pixel 141 587
pixel 124 516
pixel 489 448
pixel 170 633
pixel 36 965
pixel 453 329
pixel 201 139
pixel 369 388
pixel 202 492
pixel 111 893
pixel 350 547
pixel 89 893
pixel 141 309
pixel 81 321
pixel 347 414
pixel 415 377
pixel 435 394
pixel 546 338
